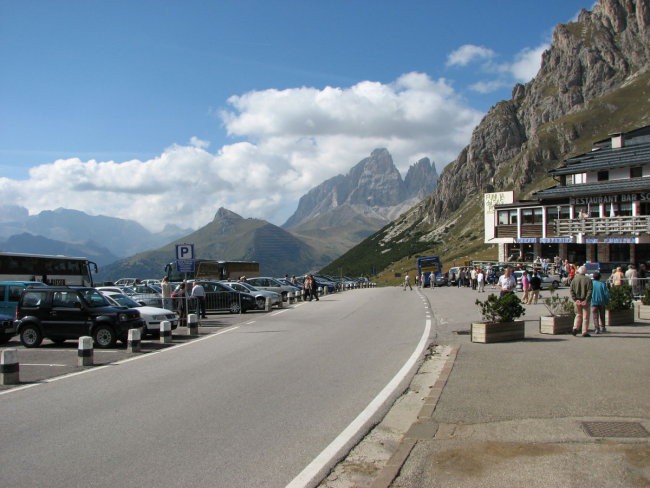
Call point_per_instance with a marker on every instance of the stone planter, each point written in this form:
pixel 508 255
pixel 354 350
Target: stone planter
pixel 619 317
pixel 556 324
pixel 644 312
pixel 487 332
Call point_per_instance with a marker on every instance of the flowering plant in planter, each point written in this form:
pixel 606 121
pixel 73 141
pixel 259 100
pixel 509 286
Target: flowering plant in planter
pixel 501 309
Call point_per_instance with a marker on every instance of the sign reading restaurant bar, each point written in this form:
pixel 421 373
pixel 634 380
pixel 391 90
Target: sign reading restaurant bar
pixel 629 197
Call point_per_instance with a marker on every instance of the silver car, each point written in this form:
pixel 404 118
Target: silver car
pixel 260 295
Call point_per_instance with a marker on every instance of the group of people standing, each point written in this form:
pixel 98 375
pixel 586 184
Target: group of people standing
pixel 180 296
pixel 591 297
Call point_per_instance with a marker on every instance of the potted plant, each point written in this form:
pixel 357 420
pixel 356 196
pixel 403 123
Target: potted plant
pixel 499 319
pixel 644 308
pixel 562 314
pixel 620 310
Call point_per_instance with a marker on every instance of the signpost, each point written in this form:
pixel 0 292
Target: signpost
pixel 185 264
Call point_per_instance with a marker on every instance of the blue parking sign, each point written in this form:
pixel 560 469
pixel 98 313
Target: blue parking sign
pixel 184 252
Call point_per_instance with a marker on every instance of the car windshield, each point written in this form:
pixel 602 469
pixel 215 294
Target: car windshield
pixel 248 286
pixel 94 298
pixel 124 301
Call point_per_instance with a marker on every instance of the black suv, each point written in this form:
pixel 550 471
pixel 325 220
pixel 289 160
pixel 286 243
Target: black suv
pixel 66 312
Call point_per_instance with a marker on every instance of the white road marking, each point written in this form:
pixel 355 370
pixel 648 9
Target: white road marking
pixel 324 458
pixel 128 360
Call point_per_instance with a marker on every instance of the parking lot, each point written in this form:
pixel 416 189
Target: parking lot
pixel 51 360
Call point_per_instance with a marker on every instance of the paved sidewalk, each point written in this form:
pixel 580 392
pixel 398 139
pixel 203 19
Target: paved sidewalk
pixel 548 411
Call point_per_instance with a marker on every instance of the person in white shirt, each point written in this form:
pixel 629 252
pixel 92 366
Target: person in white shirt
pixel 507 282
pixel 480 280
pixel 198 293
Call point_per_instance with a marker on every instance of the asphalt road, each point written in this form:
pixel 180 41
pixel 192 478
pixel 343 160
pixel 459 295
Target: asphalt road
pixel 253 404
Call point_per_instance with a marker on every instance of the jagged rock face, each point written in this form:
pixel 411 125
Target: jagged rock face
pixel 373 183
pixel 587 59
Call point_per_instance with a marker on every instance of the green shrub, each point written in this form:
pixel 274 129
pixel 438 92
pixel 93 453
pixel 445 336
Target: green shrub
pixel 557 305
pixel 620 298
pixel 501 309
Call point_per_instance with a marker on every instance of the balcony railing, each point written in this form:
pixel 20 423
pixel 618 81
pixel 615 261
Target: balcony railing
pixel 604 226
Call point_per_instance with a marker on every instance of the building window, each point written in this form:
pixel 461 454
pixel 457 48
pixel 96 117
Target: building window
pixel 513 216
pixel 527 216
pixel 538 215
pixel 503 217
pixel 625 209
pixel 594 211
pixel 636 172
pixel 603 175
pixel 577 179
pixel 644 208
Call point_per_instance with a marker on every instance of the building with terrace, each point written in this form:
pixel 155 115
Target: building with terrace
pixel 598 211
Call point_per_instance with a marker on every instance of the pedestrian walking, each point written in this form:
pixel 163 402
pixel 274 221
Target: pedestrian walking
pixel 166 291
pixel 480 281
pixel 581 291
pixel 599 301
pixel 407 282
pixel 525 286
pixel 535 287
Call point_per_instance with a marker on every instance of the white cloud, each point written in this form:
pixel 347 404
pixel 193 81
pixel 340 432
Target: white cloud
pixel 527 63
pixel 469 53
pixel 293 140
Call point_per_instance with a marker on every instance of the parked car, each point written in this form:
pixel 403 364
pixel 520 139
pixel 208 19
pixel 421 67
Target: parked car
pixel 65 312
pixel 7 328
pixel 222 297
pixel 260 295
pixel 271 284
pixel 10 292
pixel 152 316
pixel 146 295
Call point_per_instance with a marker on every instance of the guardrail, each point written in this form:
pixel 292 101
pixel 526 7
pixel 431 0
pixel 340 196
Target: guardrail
pixel 627 225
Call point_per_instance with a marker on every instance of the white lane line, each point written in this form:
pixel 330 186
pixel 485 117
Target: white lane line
pixel 124 361
pixel 36 364
pixel 325 457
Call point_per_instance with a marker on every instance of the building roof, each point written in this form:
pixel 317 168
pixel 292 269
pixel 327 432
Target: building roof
pixel 600 188
pixel 606 158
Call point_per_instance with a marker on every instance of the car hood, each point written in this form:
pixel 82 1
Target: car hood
pixel 146 310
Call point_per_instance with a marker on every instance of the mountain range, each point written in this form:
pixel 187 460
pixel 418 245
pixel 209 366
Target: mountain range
pixel 330 219
pixel 594 80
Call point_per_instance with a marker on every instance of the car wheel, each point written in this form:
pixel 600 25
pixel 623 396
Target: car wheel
pixel 235 307
pixel 31 336
pixel 104 336
pixel 261 303
pixel 285 296
pixel 556 284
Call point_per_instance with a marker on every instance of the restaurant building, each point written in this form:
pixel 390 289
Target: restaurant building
pixel 598 211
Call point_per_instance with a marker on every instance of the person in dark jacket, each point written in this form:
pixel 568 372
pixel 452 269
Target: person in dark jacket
pixel 314 288
pixel 535 287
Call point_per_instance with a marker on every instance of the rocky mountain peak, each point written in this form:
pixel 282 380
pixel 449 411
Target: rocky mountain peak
pixel 373 185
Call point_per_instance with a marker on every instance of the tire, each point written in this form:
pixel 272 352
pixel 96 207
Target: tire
pixel 104 336
pixel 261 303
pixel 285 296
pixel 556 284
pixel 31 336
pixel 235 307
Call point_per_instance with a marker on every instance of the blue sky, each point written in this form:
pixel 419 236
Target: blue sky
pixel 127 108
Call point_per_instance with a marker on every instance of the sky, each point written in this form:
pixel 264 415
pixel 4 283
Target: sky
pixel 163 111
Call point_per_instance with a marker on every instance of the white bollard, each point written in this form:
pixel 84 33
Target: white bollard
pixel 9 367
pixel 325 290
pixel 267 304
pixel 165 332
pixel 134 342
pixel 193 324
pixel 85 351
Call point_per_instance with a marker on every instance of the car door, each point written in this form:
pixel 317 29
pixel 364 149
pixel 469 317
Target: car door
pixel 68 318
